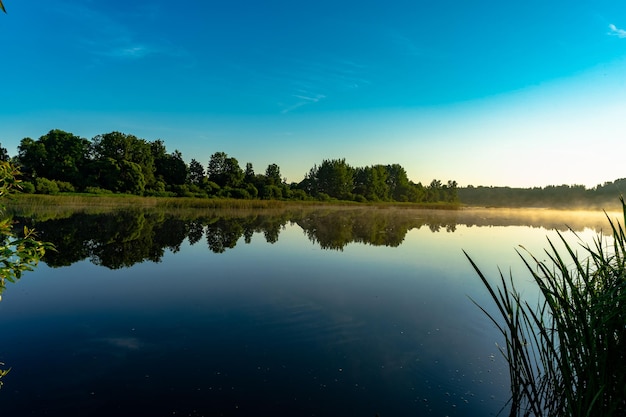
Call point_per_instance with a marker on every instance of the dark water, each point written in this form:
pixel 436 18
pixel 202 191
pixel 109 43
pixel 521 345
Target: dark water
pixel 302 313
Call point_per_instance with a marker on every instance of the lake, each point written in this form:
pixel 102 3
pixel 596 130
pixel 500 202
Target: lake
pixel 299 312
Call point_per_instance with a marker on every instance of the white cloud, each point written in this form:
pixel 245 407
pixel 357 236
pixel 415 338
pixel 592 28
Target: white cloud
pixel 615 31
pixel 130 52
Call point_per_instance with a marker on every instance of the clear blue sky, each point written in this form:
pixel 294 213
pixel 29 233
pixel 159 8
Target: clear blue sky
pixel 486 93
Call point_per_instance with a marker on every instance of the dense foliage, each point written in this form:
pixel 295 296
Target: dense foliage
pixel 116 162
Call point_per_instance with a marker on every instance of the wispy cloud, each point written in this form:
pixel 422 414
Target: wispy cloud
pixel 313 82
pixel 615 31
pixel 104 34
pixel 304 98
pixel 134 52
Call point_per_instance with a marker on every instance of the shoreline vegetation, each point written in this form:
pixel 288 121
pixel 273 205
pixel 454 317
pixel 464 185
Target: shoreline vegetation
pixel 567 352
pixel 116 163
pixel 93 202
pixel 119 163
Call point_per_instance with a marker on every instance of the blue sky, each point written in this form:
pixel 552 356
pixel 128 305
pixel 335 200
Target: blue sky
pixel 486 93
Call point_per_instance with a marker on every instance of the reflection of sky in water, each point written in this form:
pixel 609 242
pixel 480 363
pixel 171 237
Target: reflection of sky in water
pixel 283 327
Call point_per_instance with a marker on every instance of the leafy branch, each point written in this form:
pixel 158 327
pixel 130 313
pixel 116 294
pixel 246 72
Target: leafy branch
pixel 17 253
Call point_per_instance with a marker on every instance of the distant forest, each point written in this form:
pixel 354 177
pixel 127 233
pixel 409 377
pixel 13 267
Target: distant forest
pixel 61 162
pixel 602 196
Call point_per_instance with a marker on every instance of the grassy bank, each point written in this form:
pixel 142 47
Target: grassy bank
pixel 25 203
pixel 567 355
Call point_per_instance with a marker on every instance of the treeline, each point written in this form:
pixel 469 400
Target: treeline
pixel 116 162
pixel 602 196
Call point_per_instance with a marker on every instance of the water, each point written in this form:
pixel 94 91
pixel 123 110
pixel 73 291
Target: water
pixel 300 313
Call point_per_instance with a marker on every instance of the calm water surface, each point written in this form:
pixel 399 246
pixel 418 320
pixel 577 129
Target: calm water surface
pixel 306 313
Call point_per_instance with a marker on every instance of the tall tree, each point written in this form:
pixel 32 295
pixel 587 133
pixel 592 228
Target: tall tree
pixel 398 182
pixel 4 154
pixel 169 168
pixel 272 173
pixel 224 171
pixel 249 173
pixel 57 155
pixel 333 177
pixel 371 183
pixel 196 172
pixel 124 149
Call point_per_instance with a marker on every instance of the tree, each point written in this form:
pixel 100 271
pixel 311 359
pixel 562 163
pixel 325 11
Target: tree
pixel 4 154
pixel 272 173
pixel 398 182
pixel 371 183
pixel 2 7
pixel 216 167
pixel 434 191
pixel 57 155
pixel 169 168
pixel 249 173
pixel 334 178
pixel 195 175
pixel 224 171
pixel 125 156
pixel 31 156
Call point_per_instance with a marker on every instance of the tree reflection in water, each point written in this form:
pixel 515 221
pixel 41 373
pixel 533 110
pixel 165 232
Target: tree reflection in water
pixel 123 238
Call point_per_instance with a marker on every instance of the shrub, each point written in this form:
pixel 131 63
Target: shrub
pixel 299 195
pixel 46 186
pixel 65 187
pixel 27 187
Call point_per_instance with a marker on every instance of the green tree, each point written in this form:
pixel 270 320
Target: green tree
pixel 334 177
pixel 398 182
pixel 126 156
pixel 195 174
pixel 169 168
pixel 224 171
pixel 31 156
pixel 272 173
pixel 57 155
pixel 249 173
pixel 4 154
pixel 371 183
pixel 434 191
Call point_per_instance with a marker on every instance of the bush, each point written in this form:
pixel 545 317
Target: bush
pixel 299 195
pixel 46 186
pixel 65 187
pixel 27 187
pixel 238 193
pixel 323 197
pixel 272 192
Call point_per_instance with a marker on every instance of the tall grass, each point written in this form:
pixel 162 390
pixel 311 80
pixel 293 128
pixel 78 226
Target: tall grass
pixel 567 355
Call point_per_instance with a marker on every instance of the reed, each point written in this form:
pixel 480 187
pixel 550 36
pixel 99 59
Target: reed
pixel 567 354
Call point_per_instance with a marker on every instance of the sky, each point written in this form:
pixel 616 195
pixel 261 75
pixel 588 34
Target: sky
pixel 518 94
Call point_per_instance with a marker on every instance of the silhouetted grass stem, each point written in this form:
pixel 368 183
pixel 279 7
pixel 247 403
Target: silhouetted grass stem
pixel 567 355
